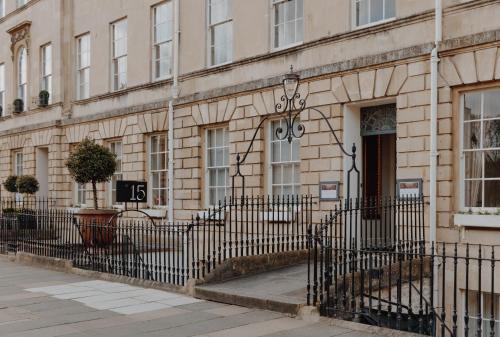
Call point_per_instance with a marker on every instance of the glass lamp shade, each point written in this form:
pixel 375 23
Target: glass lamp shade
pixel 290 85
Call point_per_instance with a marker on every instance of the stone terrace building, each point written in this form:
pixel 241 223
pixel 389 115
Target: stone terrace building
pixel 108 66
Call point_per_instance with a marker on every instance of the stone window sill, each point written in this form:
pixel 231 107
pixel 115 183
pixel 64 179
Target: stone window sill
pixel 477 220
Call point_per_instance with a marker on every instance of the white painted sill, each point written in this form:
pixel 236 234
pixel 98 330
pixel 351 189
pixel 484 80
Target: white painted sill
pixel 477 220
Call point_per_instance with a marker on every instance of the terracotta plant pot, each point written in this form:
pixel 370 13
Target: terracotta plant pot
pixel 96 229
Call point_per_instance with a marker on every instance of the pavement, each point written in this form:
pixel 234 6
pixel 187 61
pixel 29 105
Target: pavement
pixel 40 302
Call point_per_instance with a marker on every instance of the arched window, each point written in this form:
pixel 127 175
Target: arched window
pixel 22 76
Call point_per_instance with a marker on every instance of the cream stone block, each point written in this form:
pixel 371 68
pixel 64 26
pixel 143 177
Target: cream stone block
pixel 382 79
pixel 231 107
pixel 268 98
pixel 444 95
pixel 466 67
pixel 402 101
pixel 212 112
pixel 221 110
pixel 259 104
pixel 351 83
pixel 449 72
pixel 418 68
pixel 196 113
pixel 398 78
pixel 204 113
pixel 319 86
pixel 414 114
pixel 148 119
pixel 445 126
pixel 414 83
pixel 367 84
pixel 321 98
pixel 485 64
pixel 419 98
pixel 339 91
pixel 419 129
pixel 244 100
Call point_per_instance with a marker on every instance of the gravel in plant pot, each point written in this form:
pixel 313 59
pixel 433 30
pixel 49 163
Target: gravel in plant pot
pixel 91 163
pixel 43 98
pixel 18 105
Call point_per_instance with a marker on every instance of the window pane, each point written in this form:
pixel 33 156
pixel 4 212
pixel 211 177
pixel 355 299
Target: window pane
pixel 276 174
pixel 390 9
pixel 491 131
pixel 473 193
pixel 492 104
pixel 491 195
pixel 218 168
pixel 492 164
pixel 472 135
pixel 377 10
pixel 362 10
pixel 473 165
pixel 472 103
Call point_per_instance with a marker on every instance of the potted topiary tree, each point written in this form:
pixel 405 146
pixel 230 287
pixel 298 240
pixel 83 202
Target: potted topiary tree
pixel 43 98
pixel 9 211
pixel 10 184
pixel 27 185
pixel 18 105
pixel 93 163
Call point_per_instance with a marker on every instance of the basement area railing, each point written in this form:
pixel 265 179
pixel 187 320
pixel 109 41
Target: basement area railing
pixel 442 289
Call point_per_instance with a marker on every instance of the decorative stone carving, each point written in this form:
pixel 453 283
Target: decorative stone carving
pixel 20 34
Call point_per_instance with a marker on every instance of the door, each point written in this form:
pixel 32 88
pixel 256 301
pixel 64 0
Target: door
pixel 42 171
pixel 378 131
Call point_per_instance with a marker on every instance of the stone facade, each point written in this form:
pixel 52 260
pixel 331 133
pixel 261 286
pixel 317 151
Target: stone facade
pixel 342 70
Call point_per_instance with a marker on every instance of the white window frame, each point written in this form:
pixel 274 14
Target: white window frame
pixel 157 44
pixel 274 6
pixel 208 168
pixel 211 26
pixel 46 53
pixel 472 315
pixel 463 207
pixel 22 76
pixel 2 8
pixel 80 190
pixel 2 89
pixel 269 145
pixel 115 59
pixel 81 69
pixel 18 162
pixel 369 24
pixel 118 173
pixel 152 171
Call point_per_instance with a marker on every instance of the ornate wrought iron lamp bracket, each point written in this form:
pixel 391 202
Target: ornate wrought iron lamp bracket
pixel 292 105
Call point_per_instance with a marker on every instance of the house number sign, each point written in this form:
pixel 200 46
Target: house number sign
pixel 131 191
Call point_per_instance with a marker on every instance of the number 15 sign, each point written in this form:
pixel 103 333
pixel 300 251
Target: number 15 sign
pixel 131 191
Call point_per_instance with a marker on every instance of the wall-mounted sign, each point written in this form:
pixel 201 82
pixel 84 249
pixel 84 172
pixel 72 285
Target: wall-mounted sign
pixel 131 191
pixel 329 190
pixel 409 187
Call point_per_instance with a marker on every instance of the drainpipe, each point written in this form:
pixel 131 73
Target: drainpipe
pixel 173 96
pixel 434 121
pixel 433 146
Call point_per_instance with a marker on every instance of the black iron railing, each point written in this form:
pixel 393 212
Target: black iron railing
pixel 446 289
pixel 27 202
pixel 170 253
